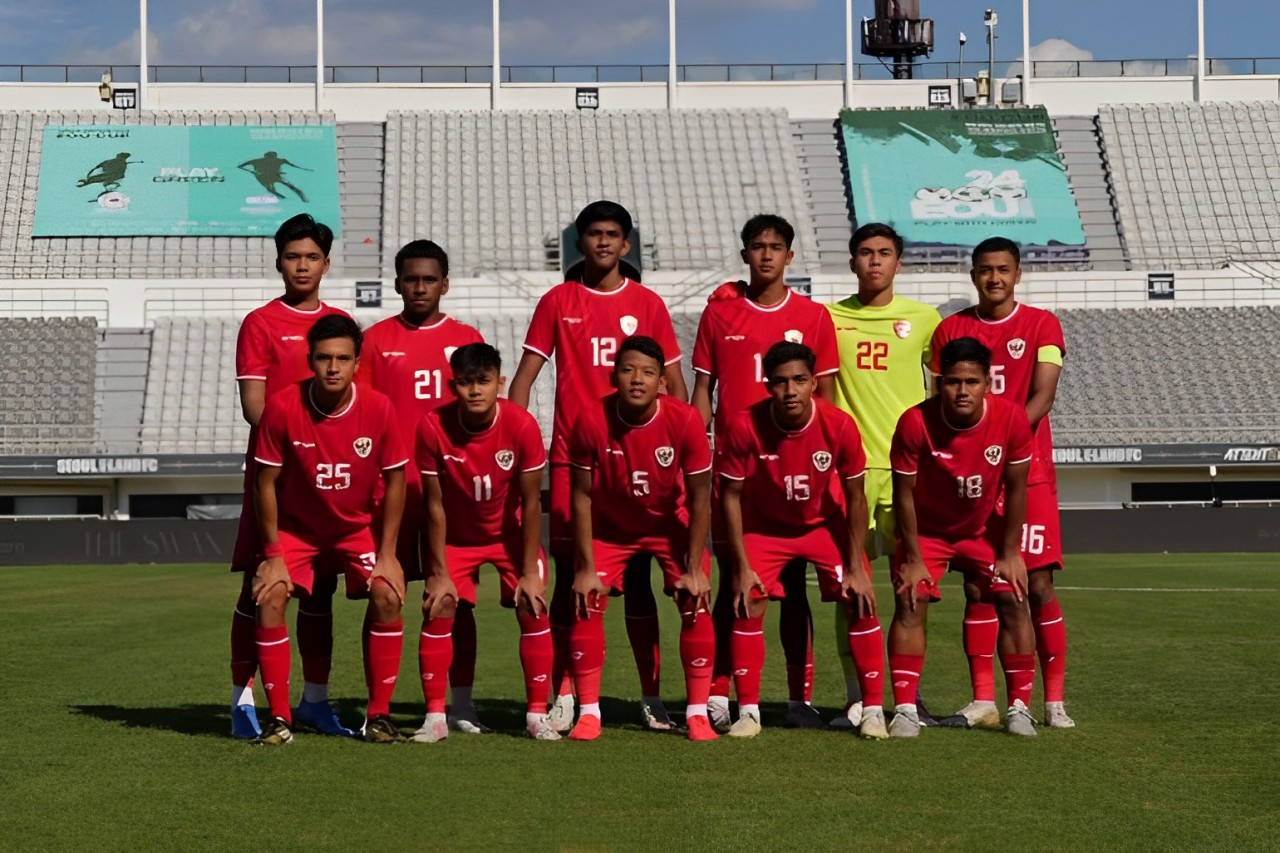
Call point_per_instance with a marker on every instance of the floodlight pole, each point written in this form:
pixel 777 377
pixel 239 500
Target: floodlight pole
pixel 848 54
pixel 1200 60
pixel 672 67
pixel 1026 52
pixel 319 56
pixel 495 86
pixel 142 54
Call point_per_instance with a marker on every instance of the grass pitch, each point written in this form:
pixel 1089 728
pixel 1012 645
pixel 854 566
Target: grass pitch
pixel 113 720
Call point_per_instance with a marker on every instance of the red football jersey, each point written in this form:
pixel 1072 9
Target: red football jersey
pixel 479 472
pixel 582 328
pixel 330 464
pixel 734 335
pixel 1014 343
pixel 272 345
pixel 789 478
pixel 638 485
pixel 959 472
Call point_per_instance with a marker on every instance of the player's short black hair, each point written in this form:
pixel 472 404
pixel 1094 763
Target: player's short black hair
pixel 472 361
pixel 763 222
pixel 964 349
pixel 422 249
pixel 783 352
pixel 303 227
pixel 644 345
pixel 997 244
pixel 334 326
pixel 603 211
pixel 874 229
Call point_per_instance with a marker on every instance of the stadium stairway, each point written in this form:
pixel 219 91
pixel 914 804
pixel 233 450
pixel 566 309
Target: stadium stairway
pixel 823 178
pixel 1080 145
pixel 120 386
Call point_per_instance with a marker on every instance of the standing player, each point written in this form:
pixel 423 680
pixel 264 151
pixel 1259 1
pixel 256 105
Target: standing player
pixel 407 359
pixel 323 448
pixel 271 354
pixel 741 321
pixel 1027 350
pixel 953 456
pixel 481 460
pixel 793 468
pixel 581 324
pixel 884 355
pixel 641 488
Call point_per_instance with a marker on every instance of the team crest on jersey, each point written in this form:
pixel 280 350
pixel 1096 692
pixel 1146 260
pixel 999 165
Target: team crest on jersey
pixel 993 454
pixel 902 328
pixel 665 456
pixel 629 324
pixel 822 460
pixel 363 446
pixel 1017 347
pixel 794 336
pixel 449 351
pixel 505 459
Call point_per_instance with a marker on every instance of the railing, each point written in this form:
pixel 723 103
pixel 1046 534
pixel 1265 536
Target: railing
pixel 56 302
pixel 640 73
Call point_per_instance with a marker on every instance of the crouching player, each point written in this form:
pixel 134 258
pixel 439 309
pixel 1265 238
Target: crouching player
pixel 481 460
pixel 323 447
pixel 641 485
pixel 953 455
pixel 781 503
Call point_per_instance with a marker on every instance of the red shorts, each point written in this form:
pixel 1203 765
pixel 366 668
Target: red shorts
pixel 464 562
pixel 671 552
pixel 353 555
pixel 822 546
pixel 561 519
pixel 1042 530
pixel 974 558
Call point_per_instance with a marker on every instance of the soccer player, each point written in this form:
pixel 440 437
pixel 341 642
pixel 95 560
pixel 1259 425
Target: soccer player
pixel 406 357
pixel 741 321
pixel 581 324
pixel 1027 349
pixel 481 460
pixel 641 487
pixel 271 354
pixel 953 456
pixel 884 356
pixel 792 472
pixel 323 447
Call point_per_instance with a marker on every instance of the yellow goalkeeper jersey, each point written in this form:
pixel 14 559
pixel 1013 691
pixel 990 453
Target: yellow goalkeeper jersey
pixel 884 359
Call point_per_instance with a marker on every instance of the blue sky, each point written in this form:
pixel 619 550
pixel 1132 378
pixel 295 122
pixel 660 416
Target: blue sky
pixel 275 32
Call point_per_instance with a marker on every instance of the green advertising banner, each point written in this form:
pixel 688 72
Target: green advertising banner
pixel 956 177
pixel 124 180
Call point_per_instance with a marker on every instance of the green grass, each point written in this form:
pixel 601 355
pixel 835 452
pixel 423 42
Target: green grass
pixel 113 693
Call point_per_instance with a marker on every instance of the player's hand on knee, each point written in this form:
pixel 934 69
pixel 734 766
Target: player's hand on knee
pixel 439 596
pixel 747 588
pixel 695 588
pixel 272 572
pixel 388 571
pixel 587 592
pixel 907 580
pixel 856 589
pixel 531 595
pixel 1014 571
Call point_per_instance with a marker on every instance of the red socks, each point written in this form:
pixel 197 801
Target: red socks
pixel 244 647
pixel 1019 677
pixel 981 630
pixel 1051 644
pixel 385 642
pixel 866 643
pixel 697 655
pixel 748 658
pixel 906 671
pixel 535 659
pixel 435 651
pixel 315 645
pixel 586 644
pixel 462 672
pixel 642 631
pixel 275 658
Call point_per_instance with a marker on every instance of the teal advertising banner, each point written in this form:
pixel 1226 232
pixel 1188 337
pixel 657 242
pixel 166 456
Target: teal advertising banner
pixel 956 177
pixel 124 180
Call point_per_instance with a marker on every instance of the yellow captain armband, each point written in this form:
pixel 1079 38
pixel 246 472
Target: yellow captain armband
pixel 1050 354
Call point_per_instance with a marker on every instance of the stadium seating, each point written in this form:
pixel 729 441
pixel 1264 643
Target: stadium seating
pixel 191 403
pixel 498 188
pixel 1156 376
pixel 47 385
pixel 1197 185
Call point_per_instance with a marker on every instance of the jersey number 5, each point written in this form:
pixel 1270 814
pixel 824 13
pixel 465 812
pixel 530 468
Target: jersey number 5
pixel 872 355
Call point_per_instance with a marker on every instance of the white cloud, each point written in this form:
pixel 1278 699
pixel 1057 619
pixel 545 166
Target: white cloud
pixel 1054 58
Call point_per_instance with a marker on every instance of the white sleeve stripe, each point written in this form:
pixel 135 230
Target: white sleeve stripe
pixel 581 467
pixel 731 477
pixel 697 369
pixel 904 473
pixel 262 461
pixel 1020 461
pixel 675 360
pixel 699 471
pixel 534 468
pixel 252 376
pixel 400 464
pixel 428 473
pixel 857 476
pixel 531 348
pixel 832 372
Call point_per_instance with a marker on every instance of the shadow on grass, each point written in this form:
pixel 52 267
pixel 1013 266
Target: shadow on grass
pixel 185 719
